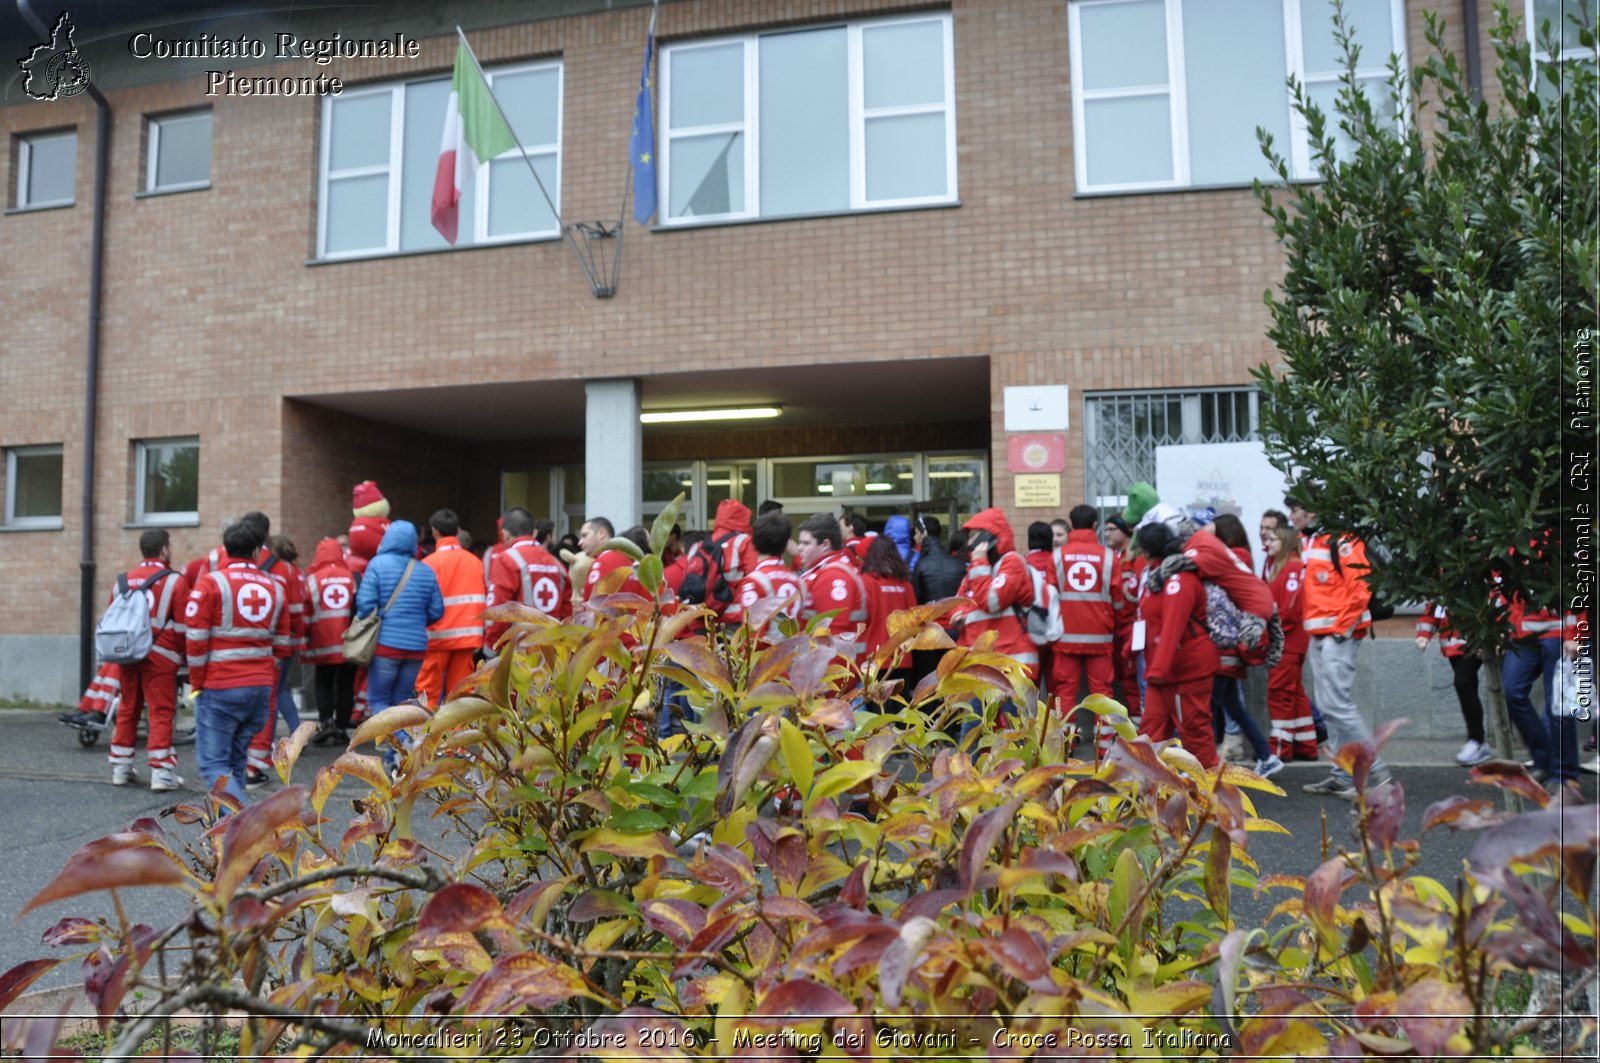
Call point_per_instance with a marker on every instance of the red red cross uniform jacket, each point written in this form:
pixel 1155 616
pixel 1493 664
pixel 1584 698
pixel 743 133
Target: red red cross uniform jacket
pixel 331 595
pixel 210 561
pixel 885 596
pixel 525 572
pixel 834 583
pixel 1089 577
pixel 1177 647
pixel 238 624
pixel 166 608
pixel 771 578
pixel 605 564
pixel 294 595
pixel 999 589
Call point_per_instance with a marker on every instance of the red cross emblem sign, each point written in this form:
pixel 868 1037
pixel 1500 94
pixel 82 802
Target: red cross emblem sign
pixel 545 594
pixel 1081 576
pixel 335 596
pixel 253 602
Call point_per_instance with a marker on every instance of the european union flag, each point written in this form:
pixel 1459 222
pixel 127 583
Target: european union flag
pixel 642 141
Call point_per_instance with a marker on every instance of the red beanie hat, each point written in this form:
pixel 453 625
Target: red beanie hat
pixel 366 492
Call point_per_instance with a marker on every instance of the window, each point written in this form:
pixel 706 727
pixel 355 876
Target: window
pixel 167 481
pixel 1168 93
pixel 1566 19
pixel 813 121
pixel 33 487
pixel 1123 429
pixel 380 149
pixel 179 152
pixel 46 169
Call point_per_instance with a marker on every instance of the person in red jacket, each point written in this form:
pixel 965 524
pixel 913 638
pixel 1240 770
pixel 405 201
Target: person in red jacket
pixel 523 571
pixel 276 559
pixel 331 595
pixel 237 626
pixel 1180 657
pixel 1089 577
pixel 771 577
pixel 457 636
pixel 830 583
pixel 152 682
pixel 888 581
pixel 1118 535
pixel 735 549
pixel 858 535
pixel 212 559
pixel 593 536
pixel 1294 733
pixel 998 583
pixel 370 511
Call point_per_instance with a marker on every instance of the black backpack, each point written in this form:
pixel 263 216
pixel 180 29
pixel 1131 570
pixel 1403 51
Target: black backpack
pixel 699 585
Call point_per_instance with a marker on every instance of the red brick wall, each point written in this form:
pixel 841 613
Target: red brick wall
pixel 211 314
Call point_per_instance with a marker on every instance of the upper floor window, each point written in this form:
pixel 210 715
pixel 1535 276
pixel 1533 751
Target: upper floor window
pixel 179 152
pixel 1566 19
pixel 380 151
pixel 1169 93
pixel 46 169
pixel 166 486
pixel 812 121
pixel 33 487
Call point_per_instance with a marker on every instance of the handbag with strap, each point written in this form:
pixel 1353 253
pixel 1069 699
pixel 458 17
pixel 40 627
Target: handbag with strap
pixel 361 637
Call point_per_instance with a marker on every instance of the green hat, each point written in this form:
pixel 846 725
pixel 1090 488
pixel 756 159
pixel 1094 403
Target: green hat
pixel 1141 496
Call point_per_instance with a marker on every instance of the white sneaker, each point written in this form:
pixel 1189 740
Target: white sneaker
pixel 1474 752
pixel 162 779
pixel 1593 767
pixel 123 774
pixel 1269 766
pixel 1233 750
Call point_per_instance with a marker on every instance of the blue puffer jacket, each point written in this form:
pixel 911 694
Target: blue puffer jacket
pixel 405 624
pixel 898 529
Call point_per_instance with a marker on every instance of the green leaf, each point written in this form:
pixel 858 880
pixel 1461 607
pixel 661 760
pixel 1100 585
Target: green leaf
pixel 839 778
pixel 661 527
pixel 703 787
pixel 796 757
pixel 637 821
pixel 659 796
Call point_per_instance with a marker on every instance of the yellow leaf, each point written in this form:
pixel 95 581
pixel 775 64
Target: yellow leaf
pixel 839 778
pixel 1299 1039
pixel 605 934
pixel 455 713
pixel 635 846
pixel 388 722
pixel 796 756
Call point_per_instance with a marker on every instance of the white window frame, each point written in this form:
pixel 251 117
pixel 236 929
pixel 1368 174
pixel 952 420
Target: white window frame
pixel 858 116
pixel 1176 89
pixel 140 514
pixel 1536 47
pixel 391 169
pixel 153 150
pixel 11 518
pixel 24 166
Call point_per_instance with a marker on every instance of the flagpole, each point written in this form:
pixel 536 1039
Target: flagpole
pixel 489 87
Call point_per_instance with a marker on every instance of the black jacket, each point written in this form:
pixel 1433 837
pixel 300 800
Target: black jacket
pixel 938 574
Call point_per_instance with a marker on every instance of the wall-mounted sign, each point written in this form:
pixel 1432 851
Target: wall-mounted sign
pixel 1036 452
pixel 1038 490
pixel 1036 409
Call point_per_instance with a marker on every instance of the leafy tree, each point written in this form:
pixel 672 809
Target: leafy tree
pixel 1436 279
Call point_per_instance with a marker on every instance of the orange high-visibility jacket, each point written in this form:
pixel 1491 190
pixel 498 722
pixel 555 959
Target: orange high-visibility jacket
pixel 1336 597
pixel 465 597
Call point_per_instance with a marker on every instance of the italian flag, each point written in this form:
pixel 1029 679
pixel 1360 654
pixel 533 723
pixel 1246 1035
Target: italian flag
pixel 474 133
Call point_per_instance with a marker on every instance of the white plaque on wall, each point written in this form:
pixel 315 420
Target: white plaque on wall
pixel 1036 409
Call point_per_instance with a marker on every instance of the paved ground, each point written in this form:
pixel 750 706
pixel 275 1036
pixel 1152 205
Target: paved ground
pixel 58 796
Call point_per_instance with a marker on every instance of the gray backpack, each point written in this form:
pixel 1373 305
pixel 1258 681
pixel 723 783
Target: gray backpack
pixel 124 635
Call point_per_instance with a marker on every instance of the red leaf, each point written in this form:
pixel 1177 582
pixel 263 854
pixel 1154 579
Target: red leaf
pixel 724 867
pixel 801 996
pixel 854 892
pixel 928 904
pixel 1509 775
pixel 1430 1012
pixel 779 907
pixel 1548 832
pixel 1139 759
pixel 43 1033
pixel 806 674
pixel 459 908
pixel 86 871
pixel 252 834
pixel 532 899
pixel 597 903
pixel 72 931
pixel 20 977
pixel 1021 957
pixel 1463 813
pixel 980 839
pixel 524 980
pixel 1322 892
pixel 679 920
pixel 1386 809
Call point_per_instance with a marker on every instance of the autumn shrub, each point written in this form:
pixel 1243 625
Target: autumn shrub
pixel 816 867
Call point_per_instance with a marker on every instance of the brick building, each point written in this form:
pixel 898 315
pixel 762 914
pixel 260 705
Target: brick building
pixel 875 217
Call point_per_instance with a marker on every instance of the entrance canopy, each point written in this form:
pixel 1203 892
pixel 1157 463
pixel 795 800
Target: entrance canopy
pixel 933 390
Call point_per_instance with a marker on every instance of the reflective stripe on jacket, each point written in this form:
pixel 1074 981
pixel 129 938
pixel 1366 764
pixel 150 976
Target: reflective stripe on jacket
pixel 1335 597
pixel 465 597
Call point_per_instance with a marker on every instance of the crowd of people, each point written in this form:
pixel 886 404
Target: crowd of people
pixel 1125 607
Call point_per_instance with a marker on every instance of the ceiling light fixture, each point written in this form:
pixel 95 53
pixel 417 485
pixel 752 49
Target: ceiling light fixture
pixel 740 413
pixel 879 487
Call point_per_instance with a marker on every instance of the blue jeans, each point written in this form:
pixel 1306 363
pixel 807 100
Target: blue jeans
pixel 674 709
pixel 287 710
pixel 1552 740
pixel 1227 698
pixel 224 723
pixel 391 680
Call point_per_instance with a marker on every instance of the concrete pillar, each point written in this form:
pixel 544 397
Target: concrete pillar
pixel 613 452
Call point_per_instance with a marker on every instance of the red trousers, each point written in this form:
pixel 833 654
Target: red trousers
pixel 1294 734
pixel 1183 709
pixel 441 671
pixel 152 682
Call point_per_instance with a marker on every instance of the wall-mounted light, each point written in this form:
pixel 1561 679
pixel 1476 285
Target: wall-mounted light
pixel 739 413
pixel 880 487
